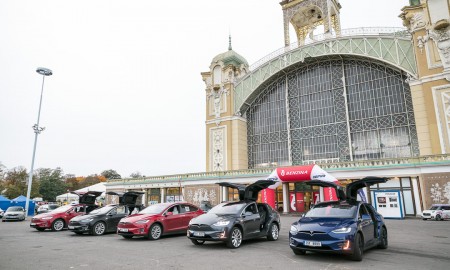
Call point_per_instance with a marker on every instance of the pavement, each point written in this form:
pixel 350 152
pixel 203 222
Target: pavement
pixel 413 244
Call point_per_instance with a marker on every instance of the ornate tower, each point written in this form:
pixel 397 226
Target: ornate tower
pixel 428 21
pixel 226 133
pixel 306 15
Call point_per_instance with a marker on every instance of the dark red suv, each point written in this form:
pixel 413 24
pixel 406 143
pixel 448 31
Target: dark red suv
pixel 59 218
pixel 159 219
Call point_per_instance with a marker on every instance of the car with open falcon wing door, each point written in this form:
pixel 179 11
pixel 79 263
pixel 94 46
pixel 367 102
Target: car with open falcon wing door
pixel 106 219
pixel 58 219
pixel 346 226
pixel 233 222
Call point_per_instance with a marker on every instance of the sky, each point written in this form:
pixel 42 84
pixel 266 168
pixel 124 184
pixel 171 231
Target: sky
pixel 126 91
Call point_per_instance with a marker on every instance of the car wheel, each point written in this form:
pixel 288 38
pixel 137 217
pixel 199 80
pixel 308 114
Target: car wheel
pixel 127 236
pixel 155 232
pixel 58 225
pixel 197 242
pixel 438 217
pixel 99 228
pixel 235 238
pixel 358 247
pixel 273 233
pixel 384 239
pixel 40 229
pixel 299 252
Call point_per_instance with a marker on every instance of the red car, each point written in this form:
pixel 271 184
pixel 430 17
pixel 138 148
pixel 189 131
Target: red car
pixel 59 218
pixel 159 219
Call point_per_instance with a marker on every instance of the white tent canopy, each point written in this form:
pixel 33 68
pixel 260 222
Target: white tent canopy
pixel 97 187
pixel 70 197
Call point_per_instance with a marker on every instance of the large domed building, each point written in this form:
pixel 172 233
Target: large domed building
pixel 357 102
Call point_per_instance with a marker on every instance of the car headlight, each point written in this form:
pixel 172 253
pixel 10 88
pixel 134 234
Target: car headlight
pixel 86 220
pixel 343 230
pixel 294 230
pixel 45 218
pixel 222 223
pixel 142 221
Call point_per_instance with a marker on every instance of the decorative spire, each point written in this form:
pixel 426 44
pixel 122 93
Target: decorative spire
pixel 229 43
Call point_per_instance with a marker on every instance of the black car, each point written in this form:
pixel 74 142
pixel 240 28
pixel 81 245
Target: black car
pixel 107 218
pixel 346 226
pixel 233 222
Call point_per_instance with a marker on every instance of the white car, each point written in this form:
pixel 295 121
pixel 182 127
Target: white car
pixel 1 213
pixel 14 213
pixel 437 212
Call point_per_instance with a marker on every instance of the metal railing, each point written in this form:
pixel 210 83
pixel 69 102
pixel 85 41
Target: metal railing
pixel 361 31
pixel 431 160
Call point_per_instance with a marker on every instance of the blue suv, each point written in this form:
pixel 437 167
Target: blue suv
pixel 346 226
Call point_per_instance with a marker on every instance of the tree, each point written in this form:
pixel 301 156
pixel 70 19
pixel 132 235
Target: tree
pixel 74 183
pixel 51 183
pixel 16 183
pixel 111 174
pixel 136 174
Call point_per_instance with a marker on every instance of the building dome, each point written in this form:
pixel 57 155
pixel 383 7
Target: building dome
pixel 230 57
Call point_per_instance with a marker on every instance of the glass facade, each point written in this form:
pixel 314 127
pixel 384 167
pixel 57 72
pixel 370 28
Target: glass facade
pixel 332 111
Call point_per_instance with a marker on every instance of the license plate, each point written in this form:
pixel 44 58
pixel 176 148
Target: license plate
pixel 71 227
pixel 313 243
pixel 123 230
pixel 32 224
pixel 199 234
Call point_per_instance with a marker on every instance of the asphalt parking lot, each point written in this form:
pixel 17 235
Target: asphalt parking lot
pixel 413 244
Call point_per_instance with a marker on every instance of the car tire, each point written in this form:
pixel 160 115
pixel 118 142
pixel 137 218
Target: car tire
pixel 384 239
pixel 438 217
pixel 155 231
pixel 58 225
pixel 299 252
pixel 127 236
pixel 40 229
pixel 235 238
pixel 197 242
pixel 99 228
pixel 274 232
pixel 358 248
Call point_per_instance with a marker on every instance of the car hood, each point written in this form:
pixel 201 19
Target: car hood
pixel 137 217
pixel 210 219
pixel 323 224
pixel 78 218
pixel 15 212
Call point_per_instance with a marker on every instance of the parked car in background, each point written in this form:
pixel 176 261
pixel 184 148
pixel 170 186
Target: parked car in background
pixel 46 208
pixel 346 226
pixel 1 212
pixel 59 218
pixel 437 212
pixel 105 219
pixel 233 222
pixel 14 213
pixel 159 219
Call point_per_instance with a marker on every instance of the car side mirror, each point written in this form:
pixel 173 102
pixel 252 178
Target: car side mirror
pixel 169 214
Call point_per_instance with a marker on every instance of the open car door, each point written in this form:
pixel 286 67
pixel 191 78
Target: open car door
pixel 127 198
pixel 88 198
pixel 239 187
pixel 339 190
pixel 352 189
pixel 249 192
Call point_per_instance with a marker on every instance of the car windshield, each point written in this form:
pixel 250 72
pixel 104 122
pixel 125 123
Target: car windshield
pixel 332 211
pixel 228 208
pixel 14 208
pixel 102 210
pixel 62 209
pixel 155 208
pixel 435 207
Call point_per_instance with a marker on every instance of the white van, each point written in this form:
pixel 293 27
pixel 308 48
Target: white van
pixel 437 212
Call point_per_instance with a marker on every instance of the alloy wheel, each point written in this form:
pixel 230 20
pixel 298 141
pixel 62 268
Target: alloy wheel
pixel 236 237
pixel 99 228
pixel 275 232
pixel 58 225
pixel 156 231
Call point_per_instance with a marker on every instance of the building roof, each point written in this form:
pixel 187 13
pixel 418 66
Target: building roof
pixel 230 57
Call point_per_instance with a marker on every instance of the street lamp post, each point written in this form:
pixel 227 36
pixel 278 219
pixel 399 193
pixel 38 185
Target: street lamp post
pixel 37 130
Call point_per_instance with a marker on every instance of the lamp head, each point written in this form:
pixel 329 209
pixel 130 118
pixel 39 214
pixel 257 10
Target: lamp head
pixel 44 71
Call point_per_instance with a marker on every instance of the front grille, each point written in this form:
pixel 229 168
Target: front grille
pixel 200 227
pixel 124 223
pixel 426 214
pixel 74 223
pixel 312 232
